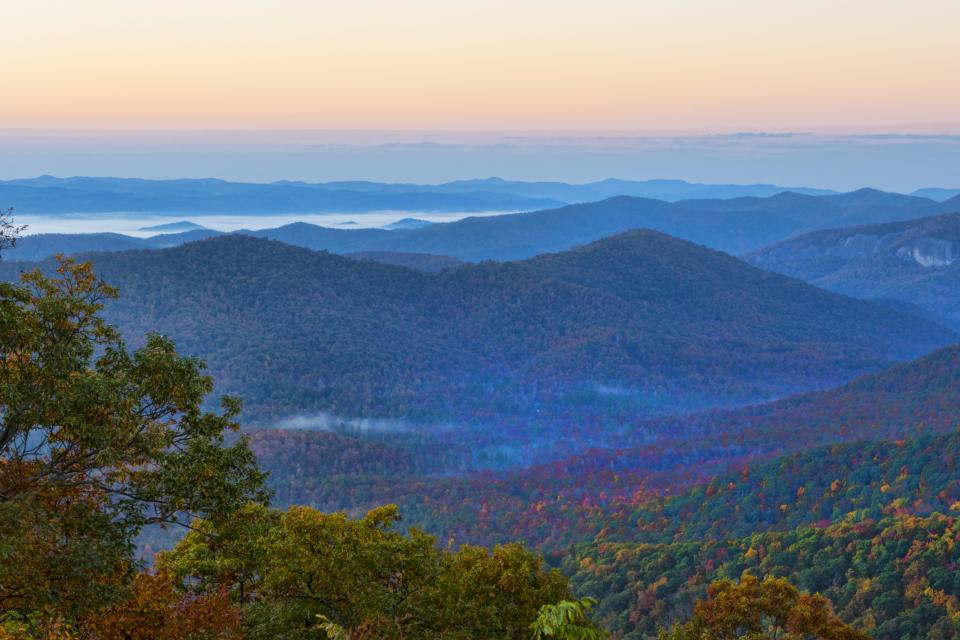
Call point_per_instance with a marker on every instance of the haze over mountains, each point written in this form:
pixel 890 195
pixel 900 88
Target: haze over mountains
pixel 47 194
pixel 50 195
pixel 392 321
pixel 174 227
pixel 734 225
pixel 917 399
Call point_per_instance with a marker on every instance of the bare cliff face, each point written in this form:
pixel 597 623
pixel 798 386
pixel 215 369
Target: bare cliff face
pixel 930 252
pixel 926 251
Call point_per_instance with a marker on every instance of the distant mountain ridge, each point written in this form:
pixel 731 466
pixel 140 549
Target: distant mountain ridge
pixel 43 245
pixel 916 261
pixel 666 322
pixel 736 225
pixel 181 225
pixel 52 195
pixel 937 193
pixel 49 195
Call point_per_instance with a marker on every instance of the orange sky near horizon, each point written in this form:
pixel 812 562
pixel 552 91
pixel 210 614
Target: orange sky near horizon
pixel 605 65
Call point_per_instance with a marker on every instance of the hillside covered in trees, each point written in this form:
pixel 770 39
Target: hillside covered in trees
pixel 97 443
pixel 640 320
pixel 869 522
pixel 123 441
pixel 914 261
pixel 650 525
pixel 466 483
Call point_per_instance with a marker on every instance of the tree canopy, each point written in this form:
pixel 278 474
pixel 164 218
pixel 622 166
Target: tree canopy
pixel 9 232
pixel 754 609
pixel 96 443
pixel 303 573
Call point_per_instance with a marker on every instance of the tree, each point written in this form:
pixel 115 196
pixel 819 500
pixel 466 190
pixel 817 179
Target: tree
pixel 9 232
pixel 316 575
pixel 228 555
pixel 96 443
pixel 566 620
pixel 156 610
pixel 494 593
pixel 757 610
pixel 289 568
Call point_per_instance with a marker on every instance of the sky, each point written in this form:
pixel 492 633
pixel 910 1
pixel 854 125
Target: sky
pixel 98 80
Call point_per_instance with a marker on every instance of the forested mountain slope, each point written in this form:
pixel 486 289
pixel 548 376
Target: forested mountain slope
pixel 894 578
pixel 43 245
pixel 917 261
pixel 872 524
pixel 623 461
pixel 640 320
pixel 418 261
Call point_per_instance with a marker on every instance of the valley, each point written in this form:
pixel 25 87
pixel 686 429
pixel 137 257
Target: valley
pixel 648 413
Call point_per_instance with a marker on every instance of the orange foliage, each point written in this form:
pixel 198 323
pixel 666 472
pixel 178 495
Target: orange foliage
pixel 156 611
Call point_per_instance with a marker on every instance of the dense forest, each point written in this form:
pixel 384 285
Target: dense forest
pixel 870 523
pixel 829 514
pixel 894 578
pixel 99 442
pixel 640 322
pixel 466 483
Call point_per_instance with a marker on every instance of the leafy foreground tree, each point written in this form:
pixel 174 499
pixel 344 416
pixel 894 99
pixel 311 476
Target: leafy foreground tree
pixel 758 610
pixel 156 610
pixel 306 574
pixel 567 620
pixel 97 442
pixel 9 232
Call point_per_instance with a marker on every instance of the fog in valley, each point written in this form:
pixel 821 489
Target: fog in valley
pixel 134 224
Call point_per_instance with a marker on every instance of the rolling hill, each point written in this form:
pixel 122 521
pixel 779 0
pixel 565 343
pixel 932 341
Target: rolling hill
pixel 418 261
pixel 905 417
pixel 43 245
pixel 915 261
pixel 174 227
pixel 937 193
pixel 639 320
pixel 894 578
pixel 880 513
